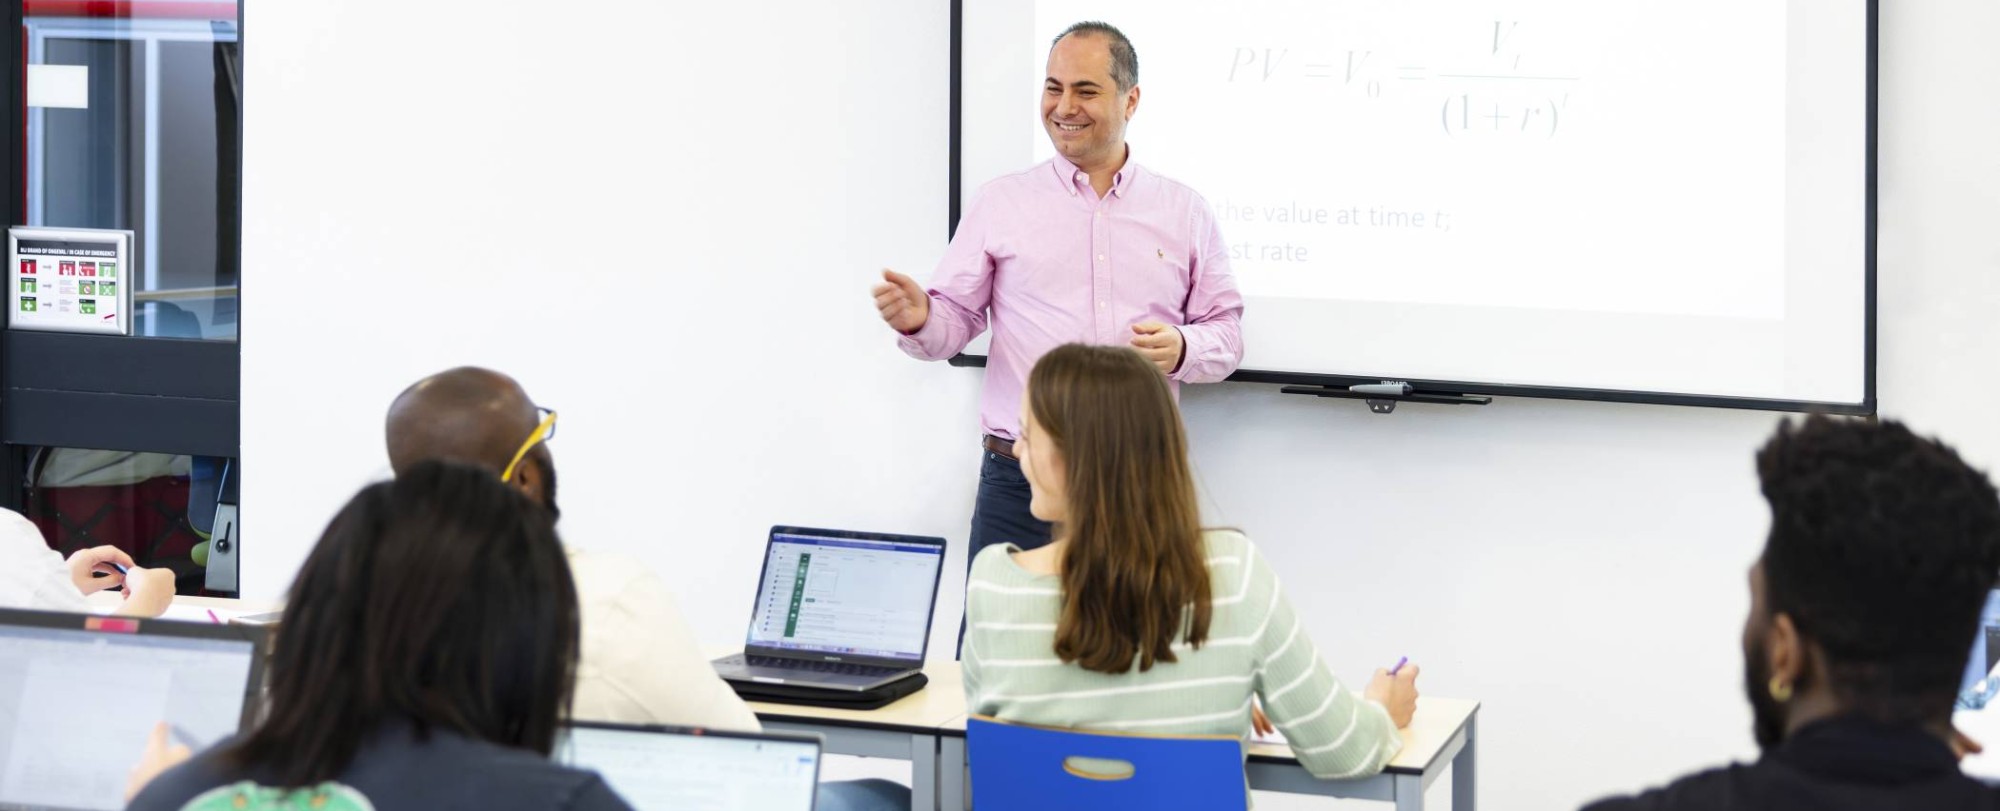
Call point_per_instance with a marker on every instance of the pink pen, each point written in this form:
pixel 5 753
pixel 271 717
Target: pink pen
pixel 1392 671
pixel 218 620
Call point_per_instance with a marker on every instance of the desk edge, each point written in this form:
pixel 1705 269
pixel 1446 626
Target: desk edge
pixel 1470 716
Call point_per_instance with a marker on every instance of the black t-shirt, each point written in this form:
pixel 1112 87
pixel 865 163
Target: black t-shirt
pixel 1845 764
pixel 395 772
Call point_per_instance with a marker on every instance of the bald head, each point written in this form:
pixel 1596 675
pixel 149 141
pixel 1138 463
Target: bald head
pixel 476 416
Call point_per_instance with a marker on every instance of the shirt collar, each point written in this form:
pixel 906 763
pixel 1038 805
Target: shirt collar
pixel 1074 180
pixel 1856 749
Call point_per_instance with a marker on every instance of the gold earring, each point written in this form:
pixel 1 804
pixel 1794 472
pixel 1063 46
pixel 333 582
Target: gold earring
pixel 1781 691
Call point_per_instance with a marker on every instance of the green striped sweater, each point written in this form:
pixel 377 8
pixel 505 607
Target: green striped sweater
pixel 1255 645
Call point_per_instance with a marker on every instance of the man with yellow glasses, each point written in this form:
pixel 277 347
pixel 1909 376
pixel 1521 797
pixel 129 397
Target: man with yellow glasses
pixel 640 662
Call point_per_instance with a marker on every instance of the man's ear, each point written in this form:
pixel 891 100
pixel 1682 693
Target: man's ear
pixel 1786 653
pixel 528 477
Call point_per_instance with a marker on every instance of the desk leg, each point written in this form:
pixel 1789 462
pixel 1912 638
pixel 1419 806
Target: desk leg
pixel 1464 769
pixel 924 773
pixel 954 792
pixel 1409 792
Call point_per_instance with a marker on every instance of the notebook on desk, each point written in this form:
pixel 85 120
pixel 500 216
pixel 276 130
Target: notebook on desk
pixel 80 695
pixel 838 614
pixel 656 767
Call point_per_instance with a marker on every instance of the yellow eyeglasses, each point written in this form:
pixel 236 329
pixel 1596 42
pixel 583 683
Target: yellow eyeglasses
pixel 543 433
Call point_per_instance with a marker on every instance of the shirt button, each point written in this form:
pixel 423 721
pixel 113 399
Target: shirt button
pixel 1100 305
pixel 1100 257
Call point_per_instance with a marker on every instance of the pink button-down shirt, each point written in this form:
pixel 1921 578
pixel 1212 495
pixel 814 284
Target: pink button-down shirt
pixel 1050 263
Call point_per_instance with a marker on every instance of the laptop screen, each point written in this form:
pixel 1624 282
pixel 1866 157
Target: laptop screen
pixel 839 594
pixel 1981 682
pixel 668 768
pixel 80 695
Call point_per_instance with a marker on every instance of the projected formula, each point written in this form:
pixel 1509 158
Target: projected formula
pixel 1493 98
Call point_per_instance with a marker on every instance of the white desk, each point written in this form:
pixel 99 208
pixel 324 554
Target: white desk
pixel 927 728
pixel 189 609
pixel 906 729
pixel 1439 735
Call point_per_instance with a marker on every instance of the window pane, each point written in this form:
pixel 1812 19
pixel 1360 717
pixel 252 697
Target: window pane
pixel 151 145
pixel 159 508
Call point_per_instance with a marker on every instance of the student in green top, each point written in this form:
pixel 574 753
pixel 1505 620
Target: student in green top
pixel 1135 619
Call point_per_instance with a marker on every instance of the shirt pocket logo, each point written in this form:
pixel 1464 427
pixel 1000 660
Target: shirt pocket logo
pixel 1171 262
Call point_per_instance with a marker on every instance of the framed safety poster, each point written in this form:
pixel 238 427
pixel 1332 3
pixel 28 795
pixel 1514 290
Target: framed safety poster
pixel 71 279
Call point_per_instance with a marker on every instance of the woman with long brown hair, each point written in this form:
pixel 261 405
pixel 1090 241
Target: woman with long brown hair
pixel 1135 618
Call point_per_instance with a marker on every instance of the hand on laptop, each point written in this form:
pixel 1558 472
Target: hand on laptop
pixel 160 756
pixel 87 564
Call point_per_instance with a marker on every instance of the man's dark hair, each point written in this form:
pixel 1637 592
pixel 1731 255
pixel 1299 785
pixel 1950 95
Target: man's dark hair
pixel 1883 547
pixel 1124 60
pixel 441 601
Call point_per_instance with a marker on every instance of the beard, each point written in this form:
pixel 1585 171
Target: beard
pixel 1767 716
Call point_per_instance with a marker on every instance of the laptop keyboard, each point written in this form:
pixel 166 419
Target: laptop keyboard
pixel 837 668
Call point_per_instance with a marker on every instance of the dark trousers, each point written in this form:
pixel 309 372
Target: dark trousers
pixel 1000 513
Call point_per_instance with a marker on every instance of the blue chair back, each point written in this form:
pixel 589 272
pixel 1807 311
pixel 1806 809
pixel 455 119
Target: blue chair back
pixel 1017 766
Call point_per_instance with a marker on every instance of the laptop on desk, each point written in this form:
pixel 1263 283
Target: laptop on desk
pixel 80 695
pixel 688 769
pixel 838 611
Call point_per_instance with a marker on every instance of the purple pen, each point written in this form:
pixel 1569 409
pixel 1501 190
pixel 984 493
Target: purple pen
pixel 1399 665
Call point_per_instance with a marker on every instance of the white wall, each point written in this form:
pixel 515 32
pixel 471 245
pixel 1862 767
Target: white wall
pixel 720 182
pixel 1940 197
pixel 663 221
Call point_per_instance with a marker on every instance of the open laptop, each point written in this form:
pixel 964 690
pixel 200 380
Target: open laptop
pixel 1977 713
pixel 839 610
pixel 1981 681
pixel 81 693
pixel 687 769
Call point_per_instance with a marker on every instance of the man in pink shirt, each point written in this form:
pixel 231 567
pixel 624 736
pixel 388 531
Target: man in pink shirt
pixel 1088 247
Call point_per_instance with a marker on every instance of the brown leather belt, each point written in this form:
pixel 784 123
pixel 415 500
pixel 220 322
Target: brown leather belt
pixel 1004 447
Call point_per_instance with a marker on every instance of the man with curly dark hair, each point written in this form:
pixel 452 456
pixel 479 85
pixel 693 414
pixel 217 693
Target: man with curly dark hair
pixel 1882 550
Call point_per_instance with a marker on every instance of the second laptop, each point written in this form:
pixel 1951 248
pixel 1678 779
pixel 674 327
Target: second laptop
pixel 838 612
